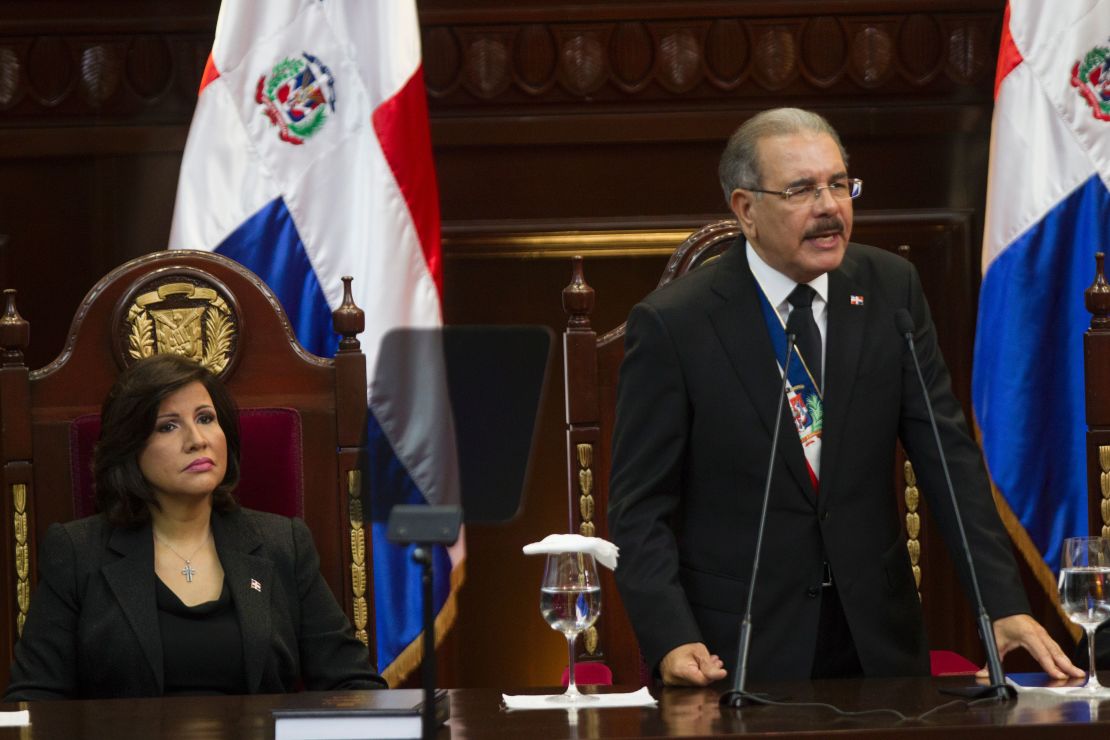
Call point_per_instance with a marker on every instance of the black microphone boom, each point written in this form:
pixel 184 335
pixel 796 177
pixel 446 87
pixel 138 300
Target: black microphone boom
pixel 738 697
pixel 998 688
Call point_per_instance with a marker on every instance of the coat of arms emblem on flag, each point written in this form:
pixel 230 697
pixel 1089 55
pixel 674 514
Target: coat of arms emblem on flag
pixel 1092 76
pixel 297 96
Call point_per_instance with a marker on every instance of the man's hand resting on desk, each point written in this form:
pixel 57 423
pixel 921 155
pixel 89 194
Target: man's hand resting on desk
pixel 691 665
pixel 1021 630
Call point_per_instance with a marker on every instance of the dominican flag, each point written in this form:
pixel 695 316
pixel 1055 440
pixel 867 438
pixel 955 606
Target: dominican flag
pixel 1048 212
pixel 309 158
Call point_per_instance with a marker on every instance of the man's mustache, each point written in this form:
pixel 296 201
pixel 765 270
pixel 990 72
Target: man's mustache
pixel 825 227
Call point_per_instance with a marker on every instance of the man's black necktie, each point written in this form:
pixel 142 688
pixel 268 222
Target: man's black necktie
pixel 809 336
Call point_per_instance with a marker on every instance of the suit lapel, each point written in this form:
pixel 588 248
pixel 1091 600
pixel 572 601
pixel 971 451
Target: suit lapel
pixel 236 540
pixel 131 579
pixel 844 343
pixel 738 322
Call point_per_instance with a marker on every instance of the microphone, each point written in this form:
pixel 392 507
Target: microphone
pixel 737 697
pixel 997 688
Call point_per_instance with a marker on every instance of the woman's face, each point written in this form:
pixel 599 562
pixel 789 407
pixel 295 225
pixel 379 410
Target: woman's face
pixel 186 454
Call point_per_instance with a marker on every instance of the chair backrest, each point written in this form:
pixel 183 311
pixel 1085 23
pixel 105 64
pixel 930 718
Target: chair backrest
pixel 302 417
pixel 592 367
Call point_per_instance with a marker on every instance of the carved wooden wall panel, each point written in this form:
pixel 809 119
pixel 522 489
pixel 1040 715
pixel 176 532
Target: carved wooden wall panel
pixel 85 67
pixel 718 57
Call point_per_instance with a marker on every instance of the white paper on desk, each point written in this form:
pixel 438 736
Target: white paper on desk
pixel 641 698
pixel 1064 692
pixel 21 718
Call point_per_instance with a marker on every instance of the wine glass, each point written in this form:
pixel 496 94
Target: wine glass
pixel 1085 590
pixel 570 600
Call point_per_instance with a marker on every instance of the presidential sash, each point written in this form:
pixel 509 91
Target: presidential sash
pixel 802 395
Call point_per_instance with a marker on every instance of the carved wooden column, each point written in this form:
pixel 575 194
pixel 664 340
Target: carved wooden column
pixel 16 541
pixel 580 373
pixel 349 321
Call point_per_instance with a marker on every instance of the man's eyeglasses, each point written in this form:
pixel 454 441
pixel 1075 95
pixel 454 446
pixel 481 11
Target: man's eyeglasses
pixel 839 190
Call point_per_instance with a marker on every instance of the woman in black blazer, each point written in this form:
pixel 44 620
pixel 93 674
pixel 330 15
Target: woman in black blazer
pixel 173 588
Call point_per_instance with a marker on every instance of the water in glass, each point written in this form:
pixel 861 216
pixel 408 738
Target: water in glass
pixel 570 601
pixel 1085 590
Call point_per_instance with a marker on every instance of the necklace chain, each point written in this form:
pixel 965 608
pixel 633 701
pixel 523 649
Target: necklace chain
pixel 188 571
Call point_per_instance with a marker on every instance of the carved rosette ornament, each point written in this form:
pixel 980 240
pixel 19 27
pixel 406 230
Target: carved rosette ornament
pixel 913 523
pixel 185 313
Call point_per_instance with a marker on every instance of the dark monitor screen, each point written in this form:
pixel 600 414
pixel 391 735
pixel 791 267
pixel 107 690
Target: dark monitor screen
pixel 495 382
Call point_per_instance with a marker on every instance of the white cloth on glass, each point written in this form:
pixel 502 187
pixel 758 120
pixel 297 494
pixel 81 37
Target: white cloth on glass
pixel 604 552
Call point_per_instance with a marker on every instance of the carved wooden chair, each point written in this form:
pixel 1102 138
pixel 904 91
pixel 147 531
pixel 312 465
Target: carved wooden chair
pixel 302 417
pixel 592 365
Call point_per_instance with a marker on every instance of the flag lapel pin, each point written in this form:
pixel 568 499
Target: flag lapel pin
pixel 256 585
pixel 855 300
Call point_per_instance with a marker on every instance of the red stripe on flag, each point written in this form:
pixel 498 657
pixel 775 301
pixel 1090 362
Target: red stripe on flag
pixel 1008 54
pixel 401 124
pixel 210 73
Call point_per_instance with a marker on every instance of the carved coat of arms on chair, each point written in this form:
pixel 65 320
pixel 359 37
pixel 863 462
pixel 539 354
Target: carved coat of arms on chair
pixel 184 312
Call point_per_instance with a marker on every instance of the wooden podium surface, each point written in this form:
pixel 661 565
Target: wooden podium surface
pixel 477 713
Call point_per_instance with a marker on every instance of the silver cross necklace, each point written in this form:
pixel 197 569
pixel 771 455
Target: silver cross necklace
pixel 188 571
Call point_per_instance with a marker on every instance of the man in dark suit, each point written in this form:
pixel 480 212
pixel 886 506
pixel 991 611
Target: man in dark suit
pixel 698 391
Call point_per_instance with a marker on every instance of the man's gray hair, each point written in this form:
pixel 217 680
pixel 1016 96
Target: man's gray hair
pixel 739 167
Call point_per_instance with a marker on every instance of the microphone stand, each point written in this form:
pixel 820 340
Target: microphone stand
pixel 997 687
pixel 425 526
pixel 737 697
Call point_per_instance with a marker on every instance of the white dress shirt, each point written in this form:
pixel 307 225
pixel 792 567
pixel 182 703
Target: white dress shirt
pixel 778 287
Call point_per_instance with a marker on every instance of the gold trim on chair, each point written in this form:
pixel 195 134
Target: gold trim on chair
pixel 22 554
pixel 584 455
pixel 1104 487
pixel 360 611
pixel 913 522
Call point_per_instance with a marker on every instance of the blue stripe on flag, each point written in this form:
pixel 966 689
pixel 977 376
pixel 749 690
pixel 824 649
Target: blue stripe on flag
pixel 268 244
pixel 1027 383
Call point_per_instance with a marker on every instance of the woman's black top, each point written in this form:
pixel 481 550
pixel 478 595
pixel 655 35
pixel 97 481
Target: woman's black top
pixel 202 647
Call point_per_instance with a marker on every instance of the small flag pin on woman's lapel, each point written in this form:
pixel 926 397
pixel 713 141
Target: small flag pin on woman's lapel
pixel 855 300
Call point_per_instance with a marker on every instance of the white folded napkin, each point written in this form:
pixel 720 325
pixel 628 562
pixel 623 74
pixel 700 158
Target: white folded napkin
pixel 641 698
pixel 20 718
pixel 604 552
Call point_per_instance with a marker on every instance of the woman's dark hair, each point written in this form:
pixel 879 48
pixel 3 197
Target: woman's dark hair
pixel 127 420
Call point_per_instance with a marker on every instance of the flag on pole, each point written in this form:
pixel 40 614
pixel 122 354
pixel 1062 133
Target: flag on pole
pixel 1048 212
pixel 309 158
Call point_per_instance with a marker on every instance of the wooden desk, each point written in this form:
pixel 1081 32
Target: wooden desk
pixel 476 713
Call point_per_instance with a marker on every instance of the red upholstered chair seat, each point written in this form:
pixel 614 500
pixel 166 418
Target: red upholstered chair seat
pixel 271 477
pixel 948 663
